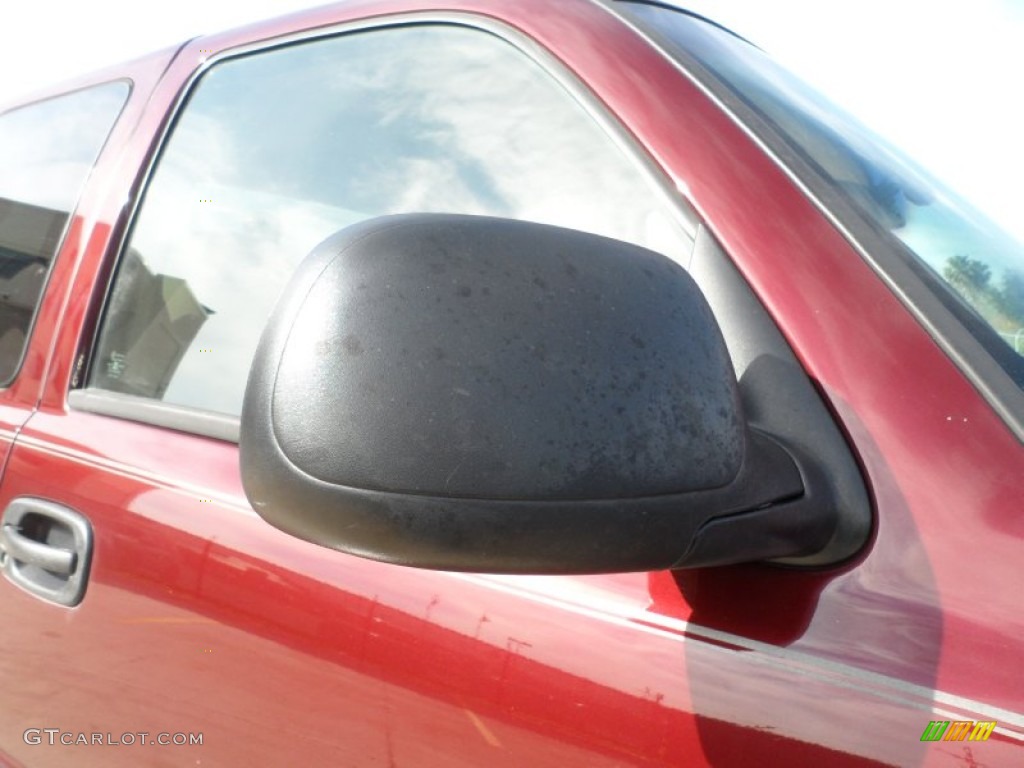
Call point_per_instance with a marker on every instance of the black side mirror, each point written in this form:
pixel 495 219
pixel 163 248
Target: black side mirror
pixel 469 393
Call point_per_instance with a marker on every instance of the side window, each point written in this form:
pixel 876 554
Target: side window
pixel 275 151
pixel 46 152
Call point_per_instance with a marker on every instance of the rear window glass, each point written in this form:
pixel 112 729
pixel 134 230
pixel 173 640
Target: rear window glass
pixel 46 152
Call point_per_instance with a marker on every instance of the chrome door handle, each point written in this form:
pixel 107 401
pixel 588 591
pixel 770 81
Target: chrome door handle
pixel 45 549
pixel 31 552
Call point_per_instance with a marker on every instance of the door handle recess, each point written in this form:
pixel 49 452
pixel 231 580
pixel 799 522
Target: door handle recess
pixel 45 549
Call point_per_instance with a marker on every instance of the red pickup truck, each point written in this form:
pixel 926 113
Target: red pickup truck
pixel 498 383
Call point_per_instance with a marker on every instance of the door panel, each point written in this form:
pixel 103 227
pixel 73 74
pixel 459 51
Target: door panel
pixel 199 618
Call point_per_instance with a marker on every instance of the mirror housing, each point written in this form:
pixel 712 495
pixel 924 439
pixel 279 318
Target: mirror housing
pixel 479 394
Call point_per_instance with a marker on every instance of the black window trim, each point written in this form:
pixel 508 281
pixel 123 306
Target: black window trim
pixel 224 426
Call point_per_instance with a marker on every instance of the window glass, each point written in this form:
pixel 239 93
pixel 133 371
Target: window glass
pixel 46 152
pixel 971 264
pixel 276 151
